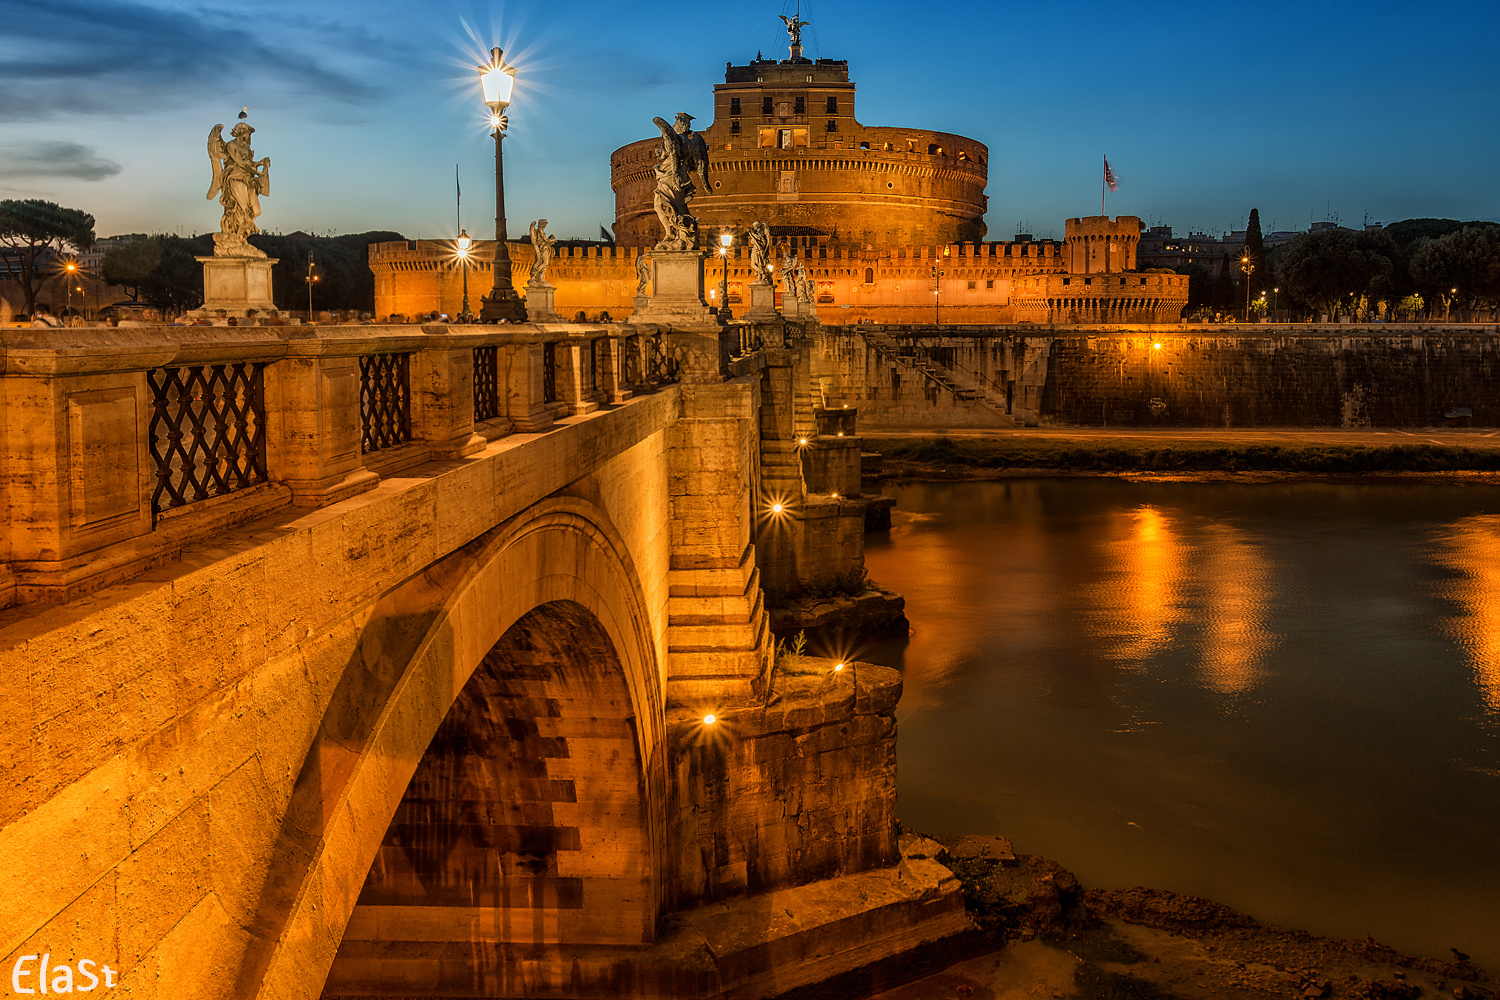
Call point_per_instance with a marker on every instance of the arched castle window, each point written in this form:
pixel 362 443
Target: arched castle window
pixel 869 276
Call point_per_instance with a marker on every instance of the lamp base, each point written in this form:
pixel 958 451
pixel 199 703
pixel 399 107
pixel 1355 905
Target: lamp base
pixel 508 306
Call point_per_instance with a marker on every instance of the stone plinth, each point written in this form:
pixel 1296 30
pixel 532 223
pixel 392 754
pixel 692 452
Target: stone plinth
pixel 237 284
pixel 540 303
pixel 762 302
pixel 677 296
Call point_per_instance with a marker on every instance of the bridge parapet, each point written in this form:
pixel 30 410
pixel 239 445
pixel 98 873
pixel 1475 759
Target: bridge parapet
pixel 127 444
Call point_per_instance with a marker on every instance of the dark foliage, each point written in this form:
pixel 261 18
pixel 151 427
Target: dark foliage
pixel 37 230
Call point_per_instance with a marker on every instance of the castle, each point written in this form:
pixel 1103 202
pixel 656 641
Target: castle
pixel 888 220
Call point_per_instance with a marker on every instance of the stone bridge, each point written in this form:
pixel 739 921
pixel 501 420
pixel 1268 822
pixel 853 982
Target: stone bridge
pixel 434 661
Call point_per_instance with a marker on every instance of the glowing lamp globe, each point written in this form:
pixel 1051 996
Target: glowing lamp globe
pixel 497 80
pixel 464 242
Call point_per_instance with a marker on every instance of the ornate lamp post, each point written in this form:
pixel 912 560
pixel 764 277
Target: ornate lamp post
pixel 71 269
pixel 726 240
pixel 1247 265
pixel 497 80
pixel 464 243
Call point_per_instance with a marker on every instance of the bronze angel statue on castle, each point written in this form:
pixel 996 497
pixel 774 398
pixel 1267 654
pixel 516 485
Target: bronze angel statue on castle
pixel 239 180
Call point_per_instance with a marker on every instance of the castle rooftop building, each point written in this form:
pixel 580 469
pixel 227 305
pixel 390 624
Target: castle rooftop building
pixel 786 148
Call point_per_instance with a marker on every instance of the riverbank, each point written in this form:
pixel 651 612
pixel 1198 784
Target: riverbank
pixel 1052 937
pixel 997 454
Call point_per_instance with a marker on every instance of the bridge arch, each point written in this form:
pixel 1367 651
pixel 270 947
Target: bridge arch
pixel 541 651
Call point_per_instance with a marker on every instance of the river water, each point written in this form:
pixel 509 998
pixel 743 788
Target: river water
pixel 1284 697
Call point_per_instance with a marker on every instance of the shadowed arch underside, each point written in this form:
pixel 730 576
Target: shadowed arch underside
pixel 523 829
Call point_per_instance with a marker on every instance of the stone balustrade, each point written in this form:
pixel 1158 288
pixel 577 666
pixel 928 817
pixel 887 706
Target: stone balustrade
pixel 123 445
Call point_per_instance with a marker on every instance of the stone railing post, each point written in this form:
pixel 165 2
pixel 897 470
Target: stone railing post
pixel 313 428
pixel 525 397
pixel 612 369
pixel 442 397
pixel 574 384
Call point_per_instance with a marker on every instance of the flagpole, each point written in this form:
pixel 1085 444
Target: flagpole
pixel 1103 186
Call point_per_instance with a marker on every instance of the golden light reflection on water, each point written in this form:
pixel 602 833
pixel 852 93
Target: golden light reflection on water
pixel 1236 597
pixel 1140 604
pixel 1161 577
pixel 1471 548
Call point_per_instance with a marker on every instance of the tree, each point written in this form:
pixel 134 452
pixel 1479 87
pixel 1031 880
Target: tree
pixel 1468 260
pixel 130 264
pixel 1325 269
pixel 38 230
pixel 175 284
pixel 1255 249
pixel 1226 291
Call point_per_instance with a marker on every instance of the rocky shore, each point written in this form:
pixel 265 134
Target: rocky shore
pixel 1042 934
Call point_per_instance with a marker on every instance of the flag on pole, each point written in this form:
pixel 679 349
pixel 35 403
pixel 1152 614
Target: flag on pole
pixel 1109 177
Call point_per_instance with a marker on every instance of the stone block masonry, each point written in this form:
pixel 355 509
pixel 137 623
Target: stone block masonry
pixel 1152 376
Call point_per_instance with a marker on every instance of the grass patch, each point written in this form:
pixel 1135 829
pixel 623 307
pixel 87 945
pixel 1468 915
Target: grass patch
pixel 1127 456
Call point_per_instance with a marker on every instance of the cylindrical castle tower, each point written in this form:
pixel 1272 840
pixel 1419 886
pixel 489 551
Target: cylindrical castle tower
pixel 785 148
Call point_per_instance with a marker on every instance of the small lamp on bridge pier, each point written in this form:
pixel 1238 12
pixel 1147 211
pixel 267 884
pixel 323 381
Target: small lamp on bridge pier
pixel 726 240
pixel 497 81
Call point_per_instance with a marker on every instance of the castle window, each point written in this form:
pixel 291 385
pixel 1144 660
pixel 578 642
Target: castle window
pixel 801 105
pixel 765 105
pixel 734 105
pixel 1088 281
pixel 833 126
pixel 869 276
pixel 734 126
pixel 1143 281
pixel 989 283
pixel 972 286
pixel 864 145
pixel 1067 281
pixel 833 105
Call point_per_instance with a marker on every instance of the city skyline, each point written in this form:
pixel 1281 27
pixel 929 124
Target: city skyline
pixel 365 109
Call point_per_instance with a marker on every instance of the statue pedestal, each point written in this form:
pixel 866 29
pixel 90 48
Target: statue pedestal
pixel 236 285
pixel 762 302
pixel 540 299
pixel 677 297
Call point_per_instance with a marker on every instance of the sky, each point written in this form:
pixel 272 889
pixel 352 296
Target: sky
pixel 1306 110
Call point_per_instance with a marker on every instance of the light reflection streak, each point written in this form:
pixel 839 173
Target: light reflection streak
pixel 1235 600
pixel 1142 602
pixel 1471 548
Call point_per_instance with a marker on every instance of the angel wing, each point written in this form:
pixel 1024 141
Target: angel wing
pixel 698 157
pixel 216 153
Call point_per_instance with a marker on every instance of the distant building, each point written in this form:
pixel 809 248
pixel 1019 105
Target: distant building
pixel 1159 248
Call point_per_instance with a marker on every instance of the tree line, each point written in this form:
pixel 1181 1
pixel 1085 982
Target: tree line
pixel 161 270
pixel 1415 269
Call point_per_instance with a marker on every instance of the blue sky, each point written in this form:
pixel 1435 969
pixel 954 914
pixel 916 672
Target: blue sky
pixel 1204 109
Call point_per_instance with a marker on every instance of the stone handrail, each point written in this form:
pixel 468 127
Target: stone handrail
pixel 126 444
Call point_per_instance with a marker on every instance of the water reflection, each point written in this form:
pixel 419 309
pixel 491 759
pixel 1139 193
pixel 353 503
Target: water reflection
pixel 1270 695
pixel 1236 637
pixel 1471 549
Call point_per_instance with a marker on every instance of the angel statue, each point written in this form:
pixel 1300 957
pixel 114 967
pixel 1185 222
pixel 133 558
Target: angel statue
pixel 790 287
pixel 794 28
pixel 239 180
pixel 544 246
pixel 642 273
pixel 804 282
pixel 682 152
pixel 760 252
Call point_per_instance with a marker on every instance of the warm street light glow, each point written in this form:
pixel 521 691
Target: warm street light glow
pixel 464 242
pixel 837 667
pixel 1156 347
pixel 725 239
pixel 497 80
pixel 709 720
pixel 776 508
pixel 802 440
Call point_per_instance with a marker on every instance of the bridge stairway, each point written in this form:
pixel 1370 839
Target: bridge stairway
pixel 963 389
pixel 718 632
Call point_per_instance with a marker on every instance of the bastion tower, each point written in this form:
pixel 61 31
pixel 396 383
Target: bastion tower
pixel 785 148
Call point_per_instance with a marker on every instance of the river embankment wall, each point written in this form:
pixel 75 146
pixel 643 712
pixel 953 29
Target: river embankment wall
pixel 1330 375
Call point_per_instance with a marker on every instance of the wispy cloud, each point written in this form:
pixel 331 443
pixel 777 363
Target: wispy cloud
pixel 127 56
pixel 55 159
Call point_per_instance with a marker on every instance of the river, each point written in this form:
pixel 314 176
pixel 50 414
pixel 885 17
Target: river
pixel 1284 697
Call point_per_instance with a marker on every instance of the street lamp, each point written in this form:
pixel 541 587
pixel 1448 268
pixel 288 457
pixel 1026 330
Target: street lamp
pixel 1247 265
pixel 72 269
pixel 726 240
pixel 464 243
pixel 937 293
pixel 311 280
pixel 497 80
pixel 1275 294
